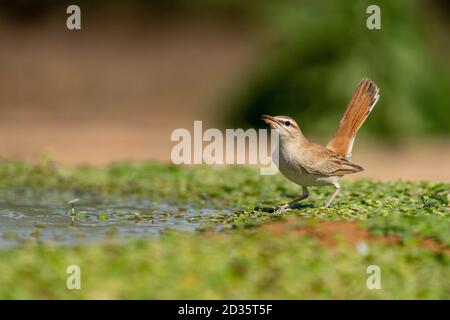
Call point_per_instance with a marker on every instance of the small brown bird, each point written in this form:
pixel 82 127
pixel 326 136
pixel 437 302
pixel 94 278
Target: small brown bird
pixel 309 164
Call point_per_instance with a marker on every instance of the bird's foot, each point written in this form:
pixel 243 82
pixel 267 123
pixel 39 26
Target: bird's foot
pixel 282 209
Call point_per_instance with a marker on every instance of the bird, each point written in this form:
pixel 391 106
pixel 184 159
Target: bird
pixel 309 164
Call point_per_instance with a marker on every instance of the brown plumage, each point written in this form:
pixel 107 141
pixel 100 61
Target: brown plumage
pixel 363 100
pixel 325 162
pixel 310 164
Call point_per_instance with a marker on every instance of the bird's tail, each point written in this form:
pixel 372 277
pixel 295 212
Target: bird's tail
pixel 363 100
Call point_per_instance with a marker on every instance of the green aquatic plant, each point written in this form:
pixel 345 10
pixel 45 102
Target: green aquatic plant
pixel 405 225
pixel 72 204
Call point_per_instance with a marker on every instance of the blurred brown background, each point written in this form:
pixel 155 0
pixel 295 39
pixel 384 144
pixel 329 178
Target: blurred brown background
pixel 116 89
pixel 112 93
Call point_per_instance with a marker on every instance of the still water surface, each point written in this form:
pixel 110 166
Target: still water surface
pixel 30 217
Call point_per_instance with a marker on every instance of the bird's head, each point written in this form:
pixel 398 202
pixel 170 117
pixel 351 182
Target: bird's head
pixel 286 126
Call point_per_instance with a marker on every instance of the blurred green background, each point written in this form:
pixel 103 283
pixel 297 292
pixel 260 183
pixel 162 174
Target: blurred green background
pixel 137 70
pixel 321 51
pixel 313 55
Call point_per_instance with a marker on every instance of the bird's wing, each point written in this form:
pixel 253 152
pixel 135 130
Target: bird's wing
pixel 322 161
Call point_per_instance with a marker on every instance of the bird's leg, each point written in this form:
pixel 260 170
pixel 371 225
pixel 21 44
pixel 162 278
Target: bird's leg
pixel 338 188
pixel 289 206
pixel 305 194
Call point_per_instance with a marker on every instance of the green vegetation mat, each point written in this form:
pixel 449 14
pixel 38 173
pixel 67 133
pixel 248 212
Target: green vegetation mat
pixel 406 223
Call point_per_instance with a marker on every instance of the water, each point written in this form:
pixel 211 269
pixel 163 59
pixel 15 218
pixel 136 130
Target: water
pixel 28 217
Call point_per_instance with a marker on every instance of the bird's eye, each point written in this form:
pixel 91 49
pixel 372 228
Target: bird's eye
pixel 287 123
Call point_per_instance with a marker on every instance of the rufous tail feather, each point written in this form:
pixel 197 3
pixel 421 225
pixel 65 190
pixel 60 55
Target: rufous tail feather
pixel 363 100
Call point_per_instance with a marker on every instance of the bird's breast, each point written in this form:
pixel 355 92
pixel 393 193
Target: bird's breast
pixel 292 169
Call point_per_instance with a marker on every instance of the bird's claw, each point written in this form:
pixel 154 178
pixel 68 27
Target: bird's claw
pixel 282 210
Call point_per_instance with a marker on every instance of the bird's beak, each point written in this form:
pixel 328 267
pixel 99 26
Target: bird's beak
pixel 271 121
